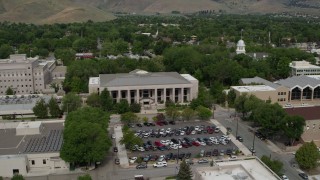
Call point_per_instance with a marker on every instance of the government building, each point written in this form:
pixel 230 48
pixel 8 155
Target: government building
pixel 147 88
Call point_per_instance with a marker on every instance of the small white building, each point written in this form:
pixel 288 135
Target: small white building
pixel 299 68
pixel 241 47
pixel 31 148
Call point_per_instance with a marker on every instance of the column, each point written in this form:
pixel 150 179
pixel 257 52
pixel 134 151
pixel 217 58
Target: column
pixel 156 96
pixel 118 96
pixel 138 96
pixel 301 95
pixel 128 96
pixel 182 95
pixel 312 93
pixel 173 95
pixel 164 95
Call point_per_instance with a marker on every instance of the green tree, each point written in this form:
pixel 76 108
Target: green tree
pixel 129 139
pixel 5 51
pixel 187 114
pixel 71 102
pixel 40 109
pixel 239 104
pixel 307 155
pixel 106 100
pixel 17 177
pixel 185 172
pixel 67 56
pixel 93 100
pixel 203 113
pixel 135 107
pixel 9 91
pixel 85 177
pixel 54 108
pixel 274 165
pixel 129 117
pixel 123 106
pixel 172 112
pixel 85 137
pixel 293 127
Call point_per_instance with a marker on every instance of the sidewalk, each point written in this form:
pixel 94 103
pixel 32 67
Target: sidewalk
pixel 241 147
pixel 122 152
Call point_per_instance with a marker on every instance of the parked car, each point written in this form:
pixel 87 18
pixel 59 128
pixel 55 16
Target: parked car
pixel 142 166
pixel 115 149
pixel 203 161
pixel 172 122
pixel 284 177
pixel 189 161
pixel 139 125
pixel 215 152
pixel 160 164
pixel 239 138
pixel 303 175
pixel 229 129
pixel 132 160
pixel 117 161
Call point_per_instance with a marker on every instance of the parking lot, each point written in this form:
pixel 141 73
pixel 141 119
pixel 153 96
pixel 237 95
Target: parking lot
pixel 165 138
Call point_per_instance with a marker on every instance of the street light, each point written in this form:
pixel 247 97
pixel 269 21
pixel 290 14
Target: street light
pixel 254 137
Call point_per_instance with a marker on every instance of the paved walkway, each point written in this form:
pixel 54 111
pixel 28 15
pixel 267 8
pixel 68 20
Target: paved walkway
pixel 241 147
pixel 122 152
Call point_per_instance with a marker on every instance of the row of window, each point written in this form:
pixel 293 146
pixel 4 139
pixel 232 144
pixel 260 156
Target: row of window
pixel 309 70
pixel 282 93
pixel 281 99
pixel 44 161
pixel 13 80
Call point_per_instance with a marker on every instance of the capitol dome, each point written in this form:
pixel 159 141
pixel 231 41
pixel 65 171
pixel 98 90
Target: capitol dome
pixel 241 43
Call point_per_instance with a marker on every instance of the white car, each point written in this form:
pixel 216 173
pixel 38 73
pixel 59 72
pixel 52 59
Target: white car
pixel 160 164
pixel 141 149
pixel 284 177
pixel 212 138
pixel 193 132
pixel 182 133
pixel 175 146
pixel 202 143
pixel 196 128
pixel 162 131
pixel 225 137
pixel 168 130
pixel 132 160
pixel 165 142
pixel 233 157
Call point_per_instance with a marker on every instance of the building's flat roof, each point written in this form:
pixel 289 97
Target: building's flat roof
pixel 303 65
pixel 253 88
pixel 258 80
pixel 29 125
pixel 141 78
pixel 188 77
pixel 50 140
pixel 240 169
pixel 317 77
pixel 60 69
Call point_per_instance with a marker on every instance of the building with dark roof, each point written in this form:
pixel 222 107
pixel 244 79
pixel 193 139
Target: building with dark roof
pixel 147 88
pixel 31 147
pixel 312 117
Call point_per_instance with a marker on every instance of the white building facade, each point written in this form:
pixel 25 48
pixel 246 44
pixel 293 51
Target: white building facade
pixel 147 88
pixel 299 68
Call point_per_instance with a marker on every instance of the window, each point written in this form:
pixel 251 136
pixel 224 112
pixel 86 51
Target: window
pixel 32 162
pixel 44 161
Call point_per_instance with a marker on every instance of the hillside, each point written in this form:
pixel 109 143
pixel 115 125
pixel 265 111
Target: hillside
pixel 63 11
pixel 50 11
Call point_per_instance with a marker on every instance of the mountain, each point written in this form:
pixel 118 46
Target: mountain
pixel 50 11
pixel 64 11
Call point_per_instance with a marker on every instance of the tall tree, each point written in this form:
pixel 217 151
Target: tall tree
pixel 9 91
pixel 187 114
pixel 307 155
pixel 293 127
pixel 185 172
pixel 5 51
pixel 106 100
pixel 123 106
pixel 40 109
pixel 85 137
pixel 54 108
pixel 71 102
pixel 93 100
pixel 135 107
pixel 129 117
pixel 203 113
pixel 172 112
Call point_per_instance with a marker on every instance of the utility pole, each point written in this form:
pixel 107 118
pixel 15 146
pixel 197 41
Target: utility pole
pixel 254 137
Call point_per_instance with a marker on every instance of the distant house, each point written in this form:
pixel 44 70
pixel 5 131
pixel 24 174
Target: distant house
pixel 312 117
pixel 84 55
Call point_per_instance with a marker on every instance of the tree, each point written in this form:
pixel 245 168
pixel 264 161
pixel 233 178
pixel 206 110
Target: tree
pixel 293 127
pixel 130 139
pixel 66 56
pixel 71 102
pixel 187 114
pixel 106 100
pixel 129 117
pixel 17 177
pixel 274 165
pixel 203 113
pixel 307 155
pixel 85 177
pixel 5 51
pixel 40 109
pixel 54 108
pixel 239 104
pixel 9 91
pixel 185 172
pixel 93 100
pixel 172 112
pixel 85 137
pixel 123 106
pixel 135 107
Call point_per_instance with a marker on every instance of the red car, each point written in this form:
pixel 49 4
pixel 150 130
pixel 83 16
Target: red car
pixel 210 131
pixel 158 144
pixel 195 143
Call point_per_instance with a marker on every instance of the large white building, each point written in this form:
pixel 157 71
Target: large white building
pixel 147 88
pixel 31 148
pixel 28 75
pixel 299 68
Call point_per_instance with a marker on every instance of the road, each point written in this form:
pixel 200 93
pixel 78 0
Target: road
pixel 261 147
